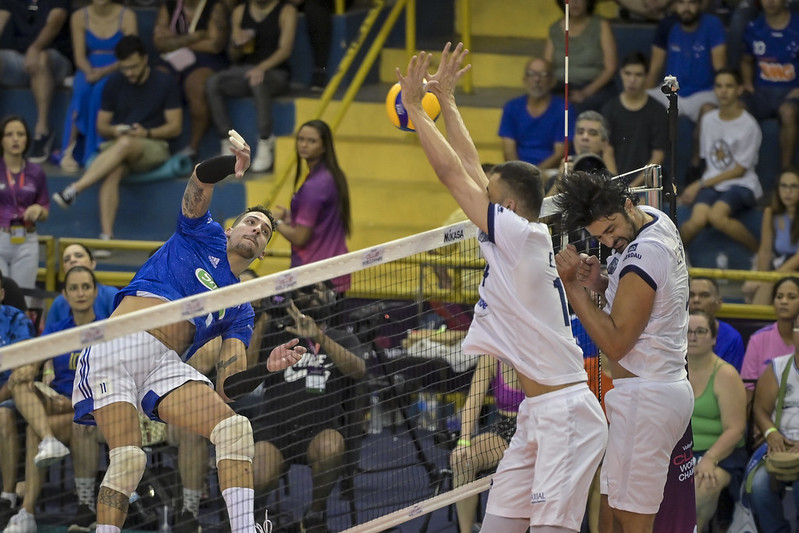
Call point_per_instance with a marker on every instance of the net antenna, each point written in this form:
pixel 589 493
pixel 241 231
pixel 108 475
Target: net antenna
pixel 566 89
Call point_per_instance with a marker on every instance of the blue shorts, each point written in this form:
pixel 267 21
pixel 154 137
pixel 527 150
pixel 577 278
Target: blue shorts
pixel 765 102
pixel 12 68
pixel 738 198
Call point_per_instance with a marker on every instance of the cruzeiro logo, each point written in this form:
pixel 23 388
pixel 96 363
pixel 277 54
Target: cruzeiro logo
pixel 208 281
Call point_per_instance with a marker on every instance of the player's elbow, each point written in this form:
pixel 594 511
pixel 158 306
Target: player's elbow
pixel 617 348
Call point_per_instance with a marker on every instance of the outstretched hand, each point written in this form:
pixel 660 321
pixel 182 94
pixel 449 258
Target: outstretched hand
pixel 413 82
pixel 239 148
pixel 285 355
pixel 449 71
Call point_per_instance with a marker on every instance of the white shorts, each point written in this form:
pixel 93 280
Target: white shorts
pixel 546 471
pixel 689 106
pixel 137 369
pixel 647 419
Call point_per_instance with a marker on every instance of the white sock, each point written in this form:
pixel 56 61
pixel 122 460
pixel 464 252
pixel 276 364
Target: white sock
pixel 10 496
pixel 84 486
pixel 240 508
pixel 107 529
pixel 191 501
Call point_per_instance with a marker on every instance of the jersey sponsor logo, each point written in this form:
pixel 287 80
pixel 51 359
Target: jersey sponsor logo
pixel 206 279
pixel 632 255
pixel 538 497
pixel 633 247
pixel 214 260
pixel 482 304
pixel 776 72
pixel 482 236
pixel 612 266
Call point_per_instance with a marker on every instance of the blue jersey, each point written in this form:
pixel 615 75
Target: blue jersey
pixel 689 55
pixel 193 260
pixel 535 136
pixel 15 326
pixel 776 52
pixel 64 365
pixel 103 306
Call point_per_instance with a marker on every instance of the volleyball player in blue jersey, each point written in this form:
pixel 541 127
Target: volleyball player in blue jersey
pixel 146 371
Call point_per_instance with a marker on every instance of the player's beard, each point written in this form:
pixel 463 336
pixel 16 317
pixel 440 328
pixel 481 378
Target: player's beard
pixel 247 249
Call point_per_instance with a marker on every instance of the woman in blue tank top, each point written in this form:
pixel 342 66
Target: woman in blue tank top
pixel 96 29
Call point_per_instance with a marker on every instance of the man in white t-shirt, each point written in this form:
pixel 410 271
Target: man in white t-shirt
pixel 729 144
pixel 544 477
pixel 642 330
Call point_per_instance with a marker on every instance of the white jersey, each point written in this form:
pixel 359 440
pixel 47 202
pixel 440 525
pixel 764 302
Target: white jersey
pixel 522 316
pixel 725 143
pixel 657 256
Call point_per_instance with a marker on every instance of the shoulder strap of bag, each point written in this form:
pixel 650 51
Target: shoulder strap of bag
pixel 781 394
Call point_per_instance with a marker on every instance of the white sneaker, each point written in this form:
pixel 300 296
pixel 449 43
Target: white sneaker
pixel 264 155
pixel 22 522
pixel 51 451
pixel 102 253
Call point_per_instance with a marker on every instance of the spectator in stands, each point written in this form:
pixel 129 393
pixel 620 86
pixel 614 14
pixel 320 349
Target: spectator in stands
pixel 78 255
pixel 15 326
pixel 320 32
pixel 302 408
pixel 779 236
pixel 592 136
pixel 691 45
pixel 774 414
pixel 24 201
pixel 481 450
pixel 718 420
pixel 648 9
pixel 775 339
pixel 532 125
pixel 39 57
pixel 192 36
pixel 704 296
pixel 592 55
pixel 319 221
pixel 140 111
pixel 262 39
pixel 638 127
pixel 96 29
pixel 729 144
pixel 769 67
pixel 46 406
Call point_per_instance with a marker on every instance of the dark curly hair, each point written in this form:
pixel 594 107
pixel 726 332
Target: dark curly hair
pixel 524 180
pixel 584 198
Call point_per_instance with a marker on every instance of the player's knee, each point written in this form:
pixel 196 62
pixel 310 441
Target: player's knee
pixel 126 466
pixel 233 439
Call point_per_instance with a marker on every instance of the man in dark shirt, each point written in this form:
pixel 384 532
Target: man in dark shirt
pixel 140 110
pixel 38 56
pixel 638 129
pixel 303 406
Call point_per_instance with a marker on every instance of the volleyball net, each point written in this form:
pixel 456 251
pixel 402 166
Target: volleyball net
pixel 376 414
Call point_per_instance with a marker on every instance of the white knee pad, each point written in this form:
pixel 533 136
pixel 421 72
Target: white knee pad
pixel 233 439
pixel 126 466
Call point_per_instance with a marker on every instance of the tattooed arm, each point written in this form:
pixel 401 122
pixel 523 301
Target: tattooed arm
pixel 197 196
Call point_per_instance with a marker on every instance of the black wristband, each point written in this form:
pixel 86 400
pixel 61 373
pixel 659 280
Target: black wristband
pixel 244 382
pixel 216 169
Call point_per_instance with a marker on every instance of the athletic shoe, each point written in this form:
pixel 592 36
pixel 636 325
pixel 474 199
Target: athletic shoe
pixel 264 155
pixel 22 522
pixel 186 522
pixel 85 520
pixel 51 450
pixel 40 148
pixel 6 511
pixel 318 80
pixel 65 197
pixel 102 253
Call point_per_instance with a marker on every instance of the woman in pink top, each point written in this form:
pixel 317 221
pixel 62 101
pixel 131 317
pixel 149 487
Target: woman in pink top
pixel 484 450
pixel 319 221
pixel 775 339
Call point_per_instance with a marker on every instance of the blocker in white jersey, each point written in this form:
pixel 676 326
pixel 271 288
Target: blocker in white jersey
pixel 521 318
pixel 642 331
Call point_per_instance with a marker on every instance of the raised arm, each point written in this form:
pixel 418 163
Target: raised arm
pixel 449 72
pixel 200 188
pixel 472 198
